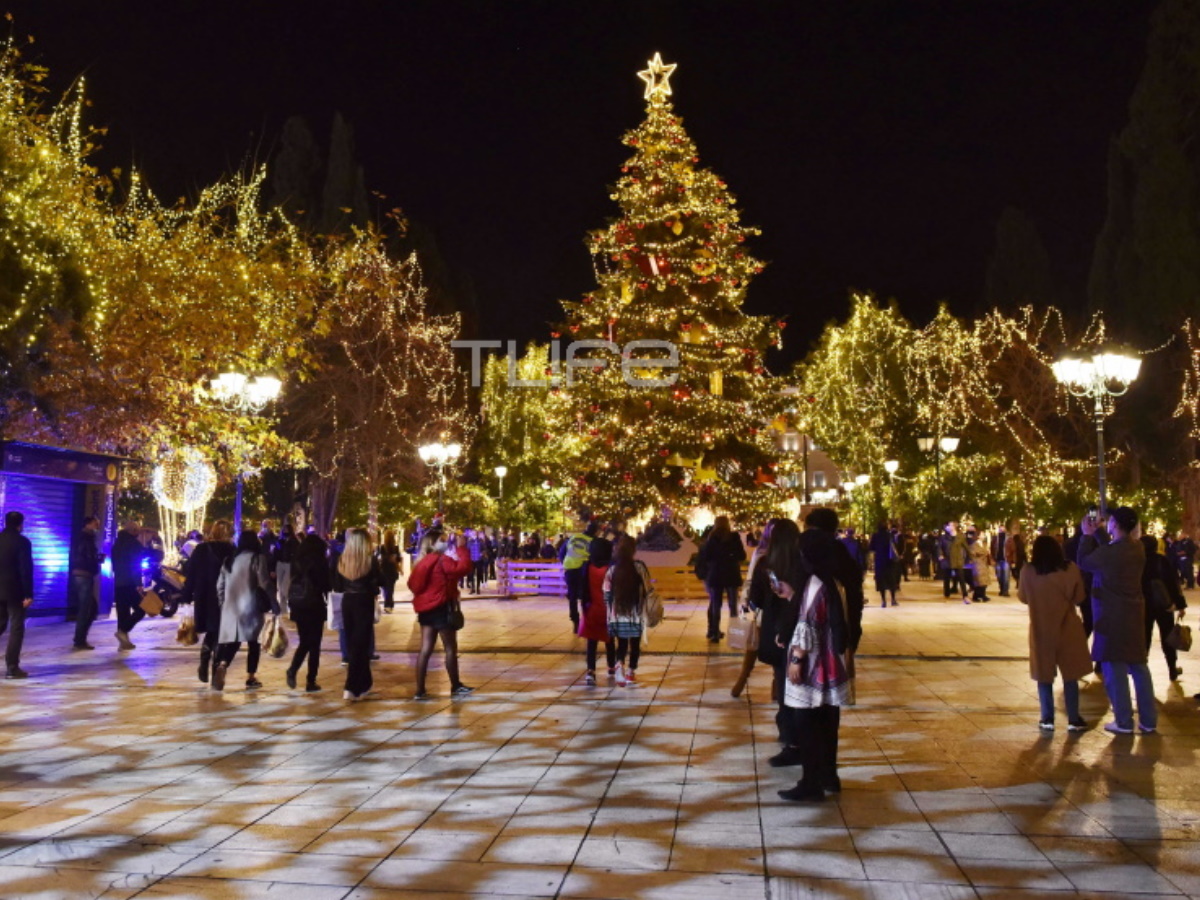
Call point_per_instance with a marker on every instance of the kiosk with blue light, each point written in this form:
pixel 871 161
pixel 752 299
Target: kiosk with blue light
pixel 55 489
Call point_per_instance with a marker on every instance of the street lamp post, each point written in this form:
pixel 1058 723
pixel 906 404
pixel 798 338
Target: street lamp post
pixel 501 471
pixel 239 393
pixel 891 466
pixel 437 456
pixel 938 446
pixel 1104 375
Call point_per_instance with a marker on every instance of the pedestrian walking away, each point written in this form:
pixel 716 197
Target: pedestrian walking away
pixel 16 589
pixel 85 569
pixel 245 602
pixel 201 590
pixel 358 580
pixel 719 565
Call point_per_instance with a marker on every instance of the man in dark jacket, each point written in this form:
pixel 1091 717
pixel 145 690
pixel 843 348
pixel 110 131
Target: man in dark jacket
pixel 128 554
pixel 85 566
pixel 1118 618
pixel 16 589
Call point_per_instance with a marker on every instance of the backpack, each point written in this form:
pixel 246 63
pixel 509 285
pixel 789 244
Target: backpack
pixel 653 601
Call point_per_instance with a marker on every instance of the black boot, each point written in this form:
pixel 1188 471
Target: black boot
pixel 205 661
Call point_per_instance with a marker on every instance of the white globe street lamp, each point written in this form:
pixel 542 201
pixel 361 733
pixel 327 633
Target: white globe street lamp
pixel 501 471
pixel 237 392
pixel 438 456
pixel 1104 375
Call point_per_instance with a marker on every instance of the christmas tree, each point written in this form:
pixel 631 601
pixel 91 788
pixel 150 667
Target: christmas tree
pixel 672 268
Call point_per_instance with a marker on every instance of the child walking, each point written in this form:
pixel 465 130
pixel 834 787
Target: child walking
pixel 625 593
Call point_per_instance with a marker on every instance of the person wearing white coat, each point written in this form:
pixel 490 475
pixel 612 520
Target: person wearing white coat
pixel 245 601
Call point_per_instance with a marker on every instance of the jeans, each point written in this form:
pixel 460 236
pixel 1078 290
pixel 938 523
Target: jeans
pixel 389 594
pixel 126 599
pixel 714 606
pixel 12 617
pixel 481 575
pixel 83 596
pixel 1116 683
pixel 358 615
pixel 1002 577
pixel 1070 699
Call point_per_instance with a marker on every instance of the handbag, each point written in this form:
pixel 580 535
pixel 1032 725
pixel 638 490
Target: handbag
pixel 186 633
pixel 744 634
pixel 456 617
pixel 151 603
pixel 1180 637
pixel 267 633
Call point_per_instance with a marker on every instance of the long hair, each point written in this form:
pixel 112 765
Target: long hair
pixel 428 539
pixel 248 542
pixel 626 580
pixel 389 540
pixel 310 553
pixel 356 558
pixel 784 556
pixel 220 530
pixel 1047 555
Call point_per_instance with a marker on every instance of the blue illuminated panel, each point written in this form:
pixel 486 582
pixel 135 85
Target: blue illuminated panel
pixel 49 507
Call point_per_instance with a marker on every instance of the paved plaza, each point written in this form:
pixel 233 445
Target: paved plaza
pixel 121 776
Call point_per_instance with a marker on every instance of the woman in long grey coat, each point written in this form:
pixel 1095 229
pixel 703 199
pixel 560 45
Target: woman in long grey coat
pixel 242 589
pixel 1053 589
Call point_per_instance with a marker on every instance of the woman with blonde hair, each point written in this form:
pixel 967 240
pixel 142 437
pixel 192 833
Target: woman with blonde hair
pixel 357 579
pixel 434 585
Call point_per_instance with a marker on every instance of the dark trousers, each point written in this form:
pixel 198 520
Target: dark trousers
pixel 389 594
pixel 817 729
pixel 1165 621
pixel 358 617
pixel 610 651
pixel 715 595
pixel 1085 613
pixel 226 653
pixel 1187 571
pixel 784 720
pixel 632 646
pixel 574 579
pixel 12 618
pixel 126 598
pixel 481 574
pixel 308 637
pixel 83 598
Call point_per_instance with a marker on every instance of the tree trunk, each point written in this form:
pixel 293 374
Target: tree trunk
pixel 373 512
pixel 1189 490
pixel 325 493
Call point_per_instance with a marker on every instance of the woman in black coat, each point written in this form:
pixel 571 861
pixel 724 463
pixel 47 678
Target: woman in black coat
pixel 307 587
pixel 1163 598
pixel 200 588
pixel 720 560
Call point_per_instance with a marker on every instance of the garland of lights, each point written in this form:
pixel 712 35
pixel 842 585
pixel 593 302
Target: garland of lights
pixel 673 267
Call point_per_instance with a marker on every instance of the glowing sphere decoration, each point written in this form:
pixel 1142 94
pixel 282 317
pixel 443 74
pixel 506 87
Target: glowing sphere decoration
pixel 184 482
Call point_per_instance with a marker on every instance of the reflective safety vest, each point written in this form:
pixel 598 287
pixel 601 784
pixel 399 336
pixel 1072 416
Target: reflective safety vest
pixel 577 550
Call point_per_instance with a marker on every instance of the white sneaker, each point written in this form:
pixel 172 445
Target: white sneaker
pixel 347 695
pixel 620 675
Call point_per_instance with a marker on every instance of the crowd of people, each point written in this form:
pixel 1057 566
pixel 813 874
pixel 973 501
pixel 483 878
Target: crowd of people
pixel 1107 582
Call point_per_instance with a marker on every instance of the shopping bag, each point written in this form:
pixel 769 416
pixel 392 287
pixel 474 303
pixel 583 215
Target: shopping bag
pixel 267 633
pixel 151 603
pixel 279 640
pixel 743 634
pixel 186 632
pixel 335 611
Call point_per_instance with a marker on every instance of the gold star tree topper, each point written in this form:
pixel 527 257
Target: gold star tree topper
pixel 657 77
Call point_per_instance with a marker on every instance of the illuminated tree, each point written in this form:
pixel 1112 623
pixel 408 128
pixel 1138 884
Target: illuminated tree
pixel 383 380
pixel 859 406
pixel 673 267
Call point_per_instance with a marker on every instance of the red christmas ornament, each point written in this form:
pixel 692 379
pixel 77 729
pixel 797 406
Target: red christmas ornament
pixel 628 476
pixel 555 334
pixel 686 326
pixel 648 404
pixel 644 285
pixel 595 407
pixel 546 436
pixel 782 324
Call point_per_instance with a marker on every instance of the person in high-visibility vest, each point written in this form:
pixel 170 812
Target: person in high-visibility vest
pixel 574 556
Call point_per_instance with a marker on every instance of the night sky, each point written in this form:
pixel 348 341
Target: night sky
pixel 875 144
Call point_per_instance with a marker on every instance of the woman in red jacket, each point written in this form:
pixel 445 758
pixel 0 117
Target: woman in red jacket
pixel 434 585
